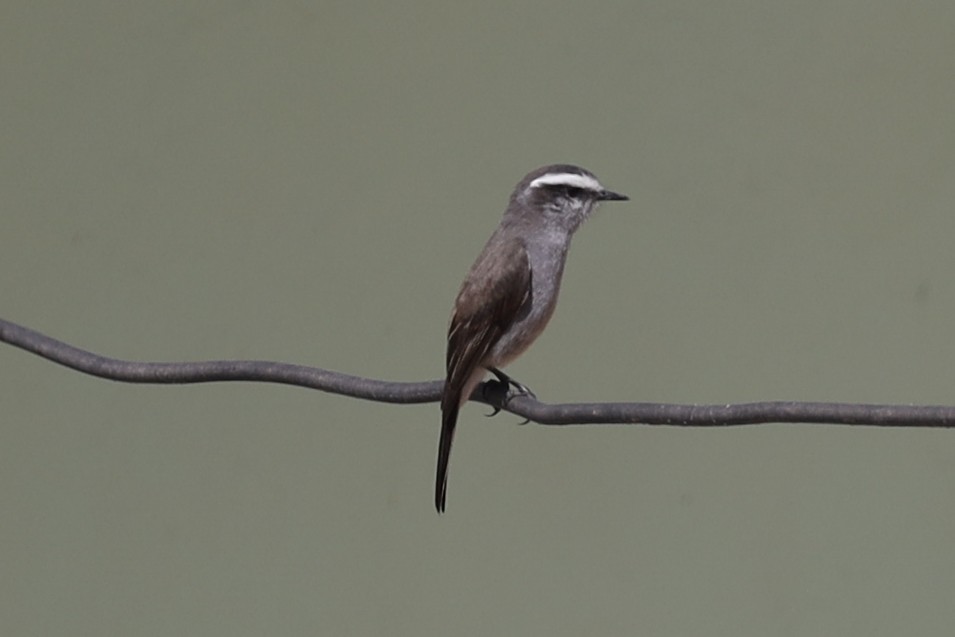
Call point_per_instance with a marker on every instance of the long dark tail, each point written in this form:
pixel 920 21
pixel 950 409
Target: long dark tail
pixel 449 418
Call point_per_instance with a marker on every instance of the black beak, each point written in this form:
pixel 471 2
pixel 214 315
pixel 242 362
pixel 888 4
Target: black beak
pixel 608 195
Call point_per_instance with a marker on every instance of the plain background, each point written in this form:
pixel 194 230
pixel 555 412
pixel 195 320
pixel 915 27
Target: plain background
pixel 309 182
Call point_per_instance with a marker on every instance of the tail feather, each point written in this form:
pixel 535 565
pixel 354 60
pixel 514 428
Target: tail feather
pixel 449 418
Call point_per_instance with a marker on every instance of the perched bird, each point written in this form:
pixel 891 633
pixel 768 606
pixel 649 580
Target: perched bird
pixel 511 290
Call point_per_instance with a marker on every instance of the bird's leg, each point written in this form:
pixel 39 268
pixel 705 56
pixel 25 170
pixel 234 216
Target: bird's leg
pixel 522 390
pixel 504 383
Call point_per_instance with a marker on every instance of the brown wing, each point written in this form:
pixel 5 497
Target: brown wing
pixel 493 294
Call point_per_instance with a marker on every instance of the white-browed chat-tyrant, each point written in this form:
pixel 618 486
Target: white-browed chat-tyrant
pixel 511 290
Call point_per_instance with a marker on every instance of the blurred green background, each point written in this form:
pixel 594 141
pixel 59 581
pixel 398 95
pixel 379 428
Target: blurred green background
pixel 309 182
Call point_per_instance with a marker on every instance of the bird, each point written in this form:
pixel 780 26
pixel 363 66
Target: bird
pixel 511 290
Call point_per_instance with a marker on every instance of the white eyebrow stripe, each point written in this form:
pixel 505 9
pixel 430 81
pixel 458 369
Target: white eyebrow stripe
pixel 574 180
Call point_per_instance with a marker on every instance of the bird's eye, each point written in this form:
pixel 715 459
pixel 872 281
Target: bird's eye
pixel 573 192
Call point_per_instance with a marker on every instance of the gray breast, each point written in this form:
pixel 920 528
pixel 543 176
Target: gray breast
pixel 546 257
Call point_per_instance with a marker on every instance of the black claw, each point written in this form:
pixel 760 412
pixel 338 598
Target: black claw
pixel 495 393
pixel 498 392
